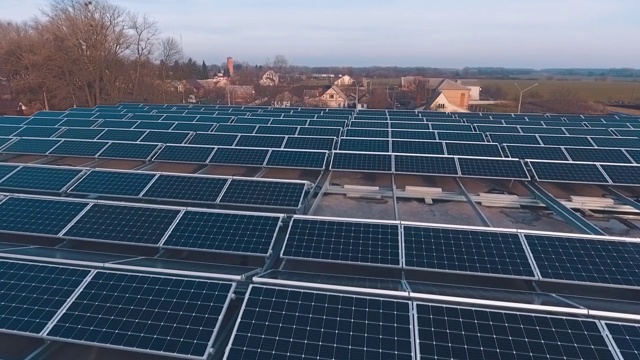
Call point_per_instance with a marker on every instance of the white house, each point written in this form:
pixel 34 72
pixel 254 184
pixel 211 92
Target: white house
pixel 473 85
pixel 270 78
pixel 344 81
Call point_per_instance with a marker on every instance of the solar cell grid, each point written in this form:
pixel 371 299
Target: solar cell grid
pixel 369 125
pixel 350 161
pixel 537 152
pixel 260 141
pixel 289 122
pixel 568 172
pixel 122 150
pixel 123 224
pixel 451 127
pixel 185 153
pixel 113 183
pixel 367 133
pixel 447 332
pixel 79 148
pixel 43 122
pixel 224 232
pixel 37 216
pixel 251 121
pixel 425 165
pixel 297 159
pixel 8 130
pixel 239 156
pixel 186 188
pixel 277 130
pixel 498 129
pixel 40 179
pixel 413 135
pixel 31 146
pixel 468 251
pixel 364 145
pixel 121 135
pixel 78 123
pixel 514 139
pixel 581 141
pixel 313 325
pixel 596 261
pixel 626 338
pixel 32 294
pixel 327 123
pixel 264 193
pixel 588 132
pixel 343 241
pixel 37 132
pixel 622 174
pixel 617 142
pixel 80 134
pixel 542 130
pixel 473 149
pixel 460 136
pixel 603 155
pixel 6 170
pixel 162 315
pixel 235 129
pixel 214 119
pixel 417 147
pixel 319 131
pixel 116 124
pixel 165 137
pixel 309 143
pixel 492 168
pixel 213 139
pixel 410 126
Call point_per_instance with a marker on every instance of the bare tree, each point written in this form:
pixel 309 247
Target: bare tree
pixel 170 52
pixel 145 34
pixel 280 63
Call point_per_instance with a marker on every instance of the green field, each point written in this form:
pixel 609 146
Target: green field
pixel 597 91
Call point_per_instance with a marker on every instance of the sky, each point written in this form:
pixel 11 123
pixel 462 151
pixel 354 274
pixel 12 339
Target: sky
pixel 502 33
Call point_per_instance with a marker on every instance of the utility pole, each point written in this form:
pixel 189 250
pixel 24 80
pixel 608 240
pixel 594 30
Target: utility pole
pixel 522 92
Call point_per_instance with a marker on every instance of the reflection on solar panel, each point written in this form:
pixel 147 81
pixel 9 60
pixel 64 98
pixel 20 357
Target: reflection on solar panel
pixel 586 260
pixel 162 315
pixel 260 141
pixel 615 156
pixel 343 241
pixel 514 139
pixel 224 232
pixel 137 151
pixel 80 134
pixel 37 216
pixel 186 188
pixel 413 135
pixel 622 174
pixel 468 251
pixel 447 332
pixel 121 135
pixel 113 183
pixel 239 156
pixel 361 162
pixel 364 145
pixel 309 325
pixel 31 295
pixel 473 149
pixel 165 137
pixel 264 193
pixel 319 131
pixel 40 179
pixel 126 224
pixel 185 153
pixel 460 136
pixel 213 139
pixel 626 338
pixel 309 143
pixel 297 159
pixel 537 152
pixel 568 172
pixel 425 165
pixel 581 141
pixel 37 132
pixel 31 146
pixel 492 168
pixel 79 148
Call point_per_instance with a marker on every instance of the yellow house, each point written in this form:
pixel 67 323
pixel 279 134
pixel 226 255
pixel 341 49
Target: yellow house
pixel 446 95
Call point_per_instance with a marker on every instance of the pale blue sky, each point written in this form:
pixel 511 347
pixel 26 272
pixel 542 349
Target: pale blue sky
pixel 509 33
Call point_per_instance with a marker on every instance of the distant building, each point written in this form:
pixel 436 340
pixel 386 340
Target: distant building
pixel 286 99
pixel 334 98
pixel 344 81
pixel 473 85
pixel 230 65
pixel 270 78
pixel 444 95
pixel 240 95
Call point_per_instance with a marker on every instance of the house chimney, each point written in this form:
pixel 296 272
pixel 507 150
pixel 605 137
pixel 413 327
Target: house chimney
pixel 230 65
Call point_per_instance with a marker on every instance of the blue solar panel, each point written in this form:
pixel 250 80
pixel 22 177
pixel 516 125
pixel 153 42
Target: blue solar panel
pixel 364 145
pixel 32 294
pixel 235 129
pixel 114 183
pixel 417 147
pixel 224 232
pixel 8 130
pixel 260 141
pixel 263 193
pixel 425 165
pixel 31 146
pixel 191 127
pixel 165 137
pixel 319 131
pixel 468 251
pixel 413 135
pixel 350 161
pixel 626 338
pixel 80 134
pixel 616 142
pixel 40 179
pixel 185 153
pixel 602 155
pixel 116 124
pixel 622 174
pixel 523 139
pixel 410 126
pixel 510 169
pixel 154 125
pixel 121 135
pixel 239 156
pixel 78 123
pixel 542 130
pixel 160 315
pixel 294 324
pixel 37 216
pixel 205 189
pixel 309 143
pixel 367 133
pixel 6 170
pixel 301 159
pixel 568 172
pixel 473 149
pixel 550 140
pixel 134 151
pixel 213 139
pixel 460 136
pixel 277 130
pixel 537 152
pixel 79 148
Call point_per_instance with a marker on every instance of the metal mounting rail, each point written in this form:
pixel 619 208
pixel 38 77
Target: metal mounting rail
pixel 564 212
pixel 621 197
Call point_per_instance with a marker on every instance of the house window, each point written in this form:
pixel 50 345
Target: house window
pixel 331 96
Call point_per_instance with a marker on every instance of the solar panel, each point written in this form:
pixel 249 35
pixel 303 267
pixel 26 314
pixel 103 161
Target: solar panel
pixel 172 116
pixel 309 143
pixel 40 179
pixel 160 315
pixel 8 130
pixel 134 151
pixel 185 153
pixel 501 129
pixel 289 122
pixel 451 127
pixel 110 115
pixel 43 122
pixel 79 148
pixel 300 159
pixel 417 147
pixel 264 193
pixel 369 125
pixel 305 325
pixel 467 251
pixel 80 134
pixel 627 132
pixel 214 119
pixel 410 126
pixel 626 338
pixel 235 129
pixel 165 137
pixel 32 294
pixel 114 183
pixel 224 232
pixel 116 124
pixel 251 121
pixel 121 135
pixel 31 146
pixel 364 145
pixel 192 127
pixel 277 130
pixel 542 130
pixel 522 139
pixel 124 224
pixel 78 123
pixel 213 139
pixel 551 140
pixel 588 260
pixel 186 188
pixel 473 149
pixel 568 172
pixel 37 216
pixel 361 162
pixel 510 169
pixel 343 241
pixel 588 132
pixel 615 156
pixel 622 174
pixel 154 125
pixel 460 136
pixel 13 120
pixel 537 152
pixel 367 133
pixel 239 156
pixel 6 170
pixel 413 135
pixel 425 165
pixel 319 131
pixel 448 332
pixel 260 141
pixel 616 142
